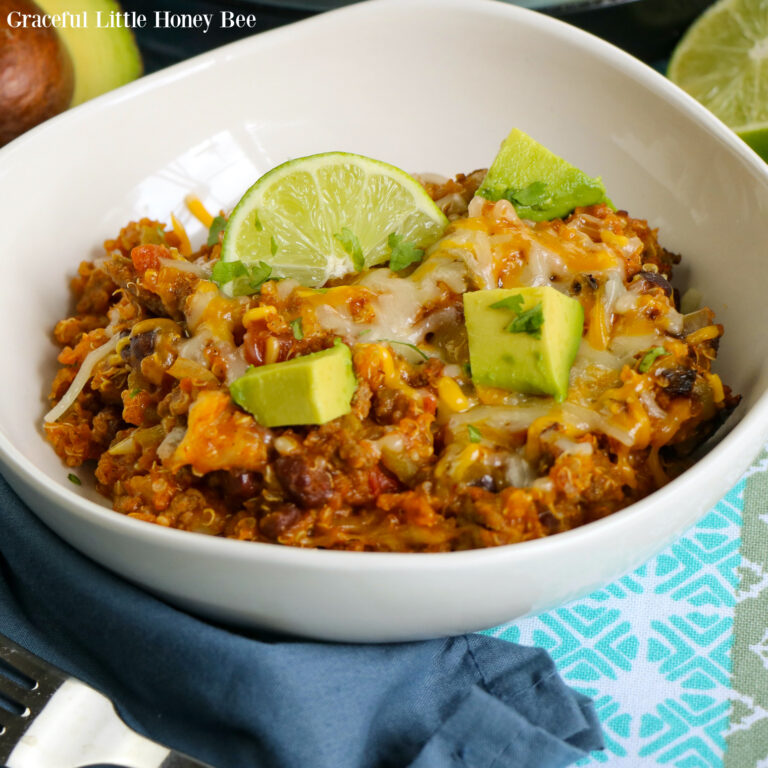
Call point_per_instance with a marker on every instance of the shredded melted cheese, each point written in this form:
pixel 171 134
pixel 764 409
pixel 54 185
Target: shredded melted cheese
pixel 491 247
pixel 92 359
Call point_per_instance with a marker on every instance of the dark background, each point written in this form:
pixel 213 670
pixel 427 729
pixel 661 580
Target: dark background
pixel 647 28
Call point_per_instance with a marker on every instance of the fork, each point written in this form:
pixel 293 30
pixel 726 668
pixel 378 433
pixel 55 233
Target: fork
pixel 49 719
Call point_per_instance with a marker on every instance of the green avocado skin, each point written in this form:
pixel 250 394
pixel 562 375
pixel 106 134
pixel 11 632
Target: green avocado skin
pixel 541 185
pixel 533 363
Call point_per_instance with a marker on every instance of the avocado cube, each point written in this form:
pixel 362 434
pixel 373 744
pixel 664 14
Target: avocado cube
pixel 523 339
pixel 541 185
pixel 311 389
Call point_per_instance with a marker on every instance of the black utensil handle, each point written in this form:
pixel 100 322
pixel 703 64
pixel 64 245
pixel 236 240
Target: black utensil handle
pixel 178 760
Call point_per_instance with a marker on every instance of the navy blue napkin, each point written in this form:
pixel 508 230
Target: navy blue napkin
pixel 238 701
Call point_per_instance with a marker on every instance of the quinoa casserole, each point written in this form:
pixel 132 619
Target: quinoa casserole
pixel 425 459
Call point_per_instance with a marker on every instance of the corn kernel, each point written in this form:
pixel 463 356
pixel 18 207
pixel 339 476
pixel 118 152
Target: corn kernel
pixel 467 458
pixel 258 313
pixel 272 350
pixel 451 396
pixel 718 393
pixel 611 238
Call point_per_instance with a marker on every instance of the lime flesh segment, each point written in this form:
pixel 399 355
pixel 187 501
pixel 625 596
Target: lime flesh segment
pixel 722 61
pixel 541 185
pixel 290 217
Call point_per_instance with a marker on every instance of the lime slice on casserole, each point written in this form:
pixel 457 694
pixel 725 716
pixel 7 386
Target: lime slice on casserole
pixel 722 61
pixel 324 216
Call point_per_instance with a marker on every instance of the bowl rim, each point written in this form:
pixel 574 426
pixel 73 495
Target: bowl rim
pixel 749 428
pixel 576 8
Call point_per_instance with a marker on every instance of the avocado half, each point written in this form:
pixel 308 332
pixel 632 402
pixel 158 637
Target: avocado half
pixel 36 74
pixel 45 71
pixel 103 58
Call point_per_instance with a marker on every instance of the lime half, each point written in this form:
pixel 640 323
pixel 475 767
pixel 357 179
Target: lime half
pixel 722 61
pixel 324 216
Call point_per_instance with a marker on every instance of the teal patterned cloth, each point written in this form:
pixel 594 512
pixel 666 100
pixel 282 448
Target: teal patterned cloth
pixel 675 654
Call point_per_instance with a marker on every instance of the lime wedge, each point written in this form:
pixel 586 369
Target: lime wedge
pixel 541 185
pixel 756 136
pixel 323 216
pixel 722 61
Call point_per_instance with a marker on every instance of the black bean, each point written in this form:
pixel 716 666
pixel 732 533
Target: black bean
pixel 549 521
pixel 678 381
pixel 140 345
pixel 277 521
pixel 303 481
pixel 657 279
pixel 243 486
pixel 487 482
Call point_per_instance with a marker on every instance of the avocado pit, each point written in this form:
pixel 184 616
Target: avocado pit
pixel 36 73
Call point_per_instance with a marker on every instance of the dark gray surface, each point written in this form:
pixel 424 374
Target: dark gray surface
pixel 648 29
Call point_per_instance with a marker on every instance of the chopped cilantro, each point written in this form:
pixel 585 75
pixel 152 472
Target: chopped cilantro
pixel 649 358
pixel 297 328
pixel 152 236
pixel 133 393
pixel 351 245
pixel 259 274
pixel 403 254
pixel 515 303
pixel 364 332
pixel 535 195
pixel 467 369
pixel 217 225
pixel 406 344
pixel 529 322
pixel 226 271
pixel 475 436
pixel 74 479
pixel 248 277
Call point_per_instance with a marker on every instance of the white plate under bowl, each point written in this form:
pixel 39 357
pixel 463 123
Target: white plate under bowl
pixel 430 85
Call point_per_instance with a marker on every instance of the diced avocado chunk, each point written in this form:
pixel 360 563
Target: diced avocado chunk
pixel 541 185
pixel 523 339
pixel 311 389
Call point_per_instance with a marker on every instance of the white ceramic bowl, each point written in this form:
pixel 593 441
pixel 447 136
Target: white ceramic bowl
pixel 430 85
